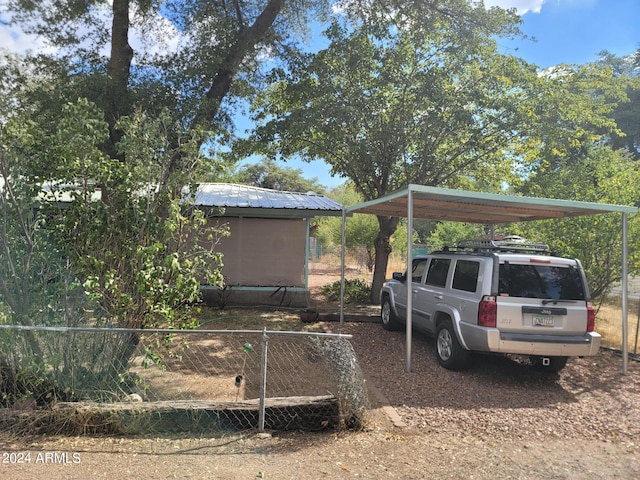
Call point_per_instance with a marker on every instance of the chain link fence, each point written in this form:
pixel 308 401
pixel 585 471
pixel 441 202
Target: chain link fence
pixel 359 258
pixel 124 381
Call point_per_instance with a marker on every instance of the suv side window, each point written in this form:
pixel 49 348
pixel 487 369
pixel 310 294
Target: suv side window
pixel 417 270
pixel 437 274
pixel 465 275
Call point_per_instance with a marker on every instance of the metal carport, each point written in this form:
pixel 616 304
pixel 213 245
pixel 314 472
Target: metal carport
pixel 419 201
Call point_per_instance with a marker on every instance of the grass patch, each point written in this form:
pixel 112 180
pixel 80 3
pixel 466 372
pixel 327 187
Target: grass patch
pixel 609 324
pixel 254 319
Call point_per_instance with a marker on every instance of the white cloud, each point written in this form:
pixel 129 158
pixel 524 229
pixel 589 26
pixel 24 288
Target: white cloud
pixel 154 36
pixel 14 40
pixel 521 6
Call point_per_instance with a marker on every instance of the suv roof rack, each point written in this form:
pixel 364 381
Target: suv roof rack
pixel 515 245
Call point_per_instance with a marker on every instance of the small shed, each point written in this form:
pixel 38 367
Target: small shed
pixel 265 259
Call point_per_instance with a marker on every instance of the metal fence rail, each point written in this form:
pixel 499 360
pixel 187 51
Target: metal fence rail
pixel 88 380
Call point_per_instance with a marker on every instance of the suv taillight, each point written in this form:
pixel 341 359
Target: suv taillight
pixel 591 319
pixel 487 311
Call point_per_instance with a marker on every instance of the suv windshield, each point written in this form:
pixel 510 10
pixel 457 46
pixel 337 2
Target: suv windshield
pixel 540 281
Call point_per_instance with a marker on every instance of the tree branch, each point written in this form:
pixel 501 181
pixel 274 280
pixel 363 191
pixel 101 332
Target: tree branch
pixel 221 83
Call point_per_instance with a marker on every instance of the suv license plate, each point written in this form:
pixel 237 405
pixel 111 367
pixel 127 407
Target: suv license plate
pixel 543 321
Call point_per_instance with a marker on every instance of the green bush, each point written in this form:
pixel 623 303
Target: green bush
pixel 355 291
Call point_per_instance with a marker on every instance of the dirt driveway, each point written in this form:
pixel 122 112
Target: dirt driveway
pixel 499 420
pixel 384 452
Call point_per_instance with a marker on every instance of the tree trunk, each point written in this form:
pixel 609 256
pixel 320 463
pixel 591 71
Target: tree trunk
pixel 116 96
pixel 118 70
pixel 388 226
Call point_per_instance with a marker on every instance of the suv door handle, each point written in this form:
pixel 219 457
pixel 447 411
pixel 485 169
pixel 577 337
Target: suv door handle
pixel 415 291
pixel 439 297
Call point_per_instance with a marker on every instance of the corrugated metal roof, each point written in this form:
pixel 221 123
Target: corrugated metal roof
pixel 242 200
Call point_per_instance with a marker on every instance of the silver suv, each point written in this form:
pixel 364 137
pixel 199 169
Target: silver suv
pixel 496 297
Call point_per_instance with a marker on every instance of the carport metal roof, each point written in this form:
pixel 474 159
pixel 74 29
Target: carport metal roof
pixel 474 207
pixel 420 201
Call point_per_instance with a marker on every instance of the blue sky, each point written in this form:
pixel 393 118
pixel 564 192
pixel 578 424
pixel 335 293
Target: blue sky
pixel 575 31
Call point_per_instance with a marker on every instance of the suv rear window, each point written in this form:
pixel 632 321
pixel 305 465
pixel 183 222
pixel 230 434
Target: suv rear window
pixel 540 281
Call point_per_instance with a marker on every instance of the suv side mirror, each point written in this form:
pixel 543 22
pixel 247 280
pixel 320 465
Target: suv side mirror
pixel 399 276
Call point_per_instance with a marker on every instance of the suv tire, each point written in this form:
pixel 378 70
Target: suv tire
pixel 389 320
pixel 449 352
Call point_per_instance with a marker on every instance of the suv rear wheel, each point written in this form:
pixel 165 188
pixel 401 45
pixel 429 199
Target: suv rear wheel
pixel 389 320
pixel 450 353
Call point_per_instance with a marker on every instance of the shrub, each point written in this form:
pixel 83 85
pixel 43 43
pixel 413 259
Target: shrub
pixel 355 291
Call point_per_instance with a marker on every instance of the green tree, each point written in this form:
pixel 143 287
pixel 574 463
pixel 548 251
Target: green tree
pixel 69 259
pixel 360 229
pixel 451 233
pixel 198 59
pixel 194 58
pixel 267 174
pixel 401 104
pixel 138 254
pixel 601 175
pixel 626 72
pixel 572 110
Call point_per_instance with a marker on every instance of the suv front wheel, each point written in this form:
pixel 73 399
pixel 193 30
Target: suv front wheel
pixel 389 320
pixel 450 353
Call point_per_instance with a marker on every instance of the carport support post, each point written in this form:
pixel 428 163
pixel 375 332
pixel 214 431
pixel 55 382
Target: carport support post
pixel 343 244
pixel 409 278
pixel 625 293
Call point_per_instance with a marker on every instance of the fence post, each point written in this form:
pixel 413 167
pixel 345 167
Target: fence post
pixel 635 346
pixel 263 380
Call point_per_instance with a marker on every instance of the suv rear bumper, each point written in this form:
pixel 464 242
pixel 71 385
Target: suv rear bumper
pixel 547 345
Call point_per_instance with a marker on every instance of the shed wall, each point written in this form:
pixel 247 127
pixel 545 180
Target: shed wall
pixel 264 252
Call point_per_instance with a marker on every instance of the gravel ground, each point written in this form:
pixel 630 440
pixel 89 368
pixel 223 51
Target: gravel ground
pixel 502 397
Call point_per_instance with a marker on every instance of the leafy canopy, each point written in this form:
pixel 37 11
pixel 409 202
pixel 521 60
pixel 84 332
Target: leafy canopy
pixel 602 175
pixel 393 101
pixel 268 174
